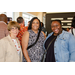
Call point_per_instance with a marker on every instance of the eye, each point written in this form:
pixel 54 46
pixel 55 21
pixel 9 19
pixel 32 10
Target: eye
pixel 16 28
pixel 12 28
pixel 57 25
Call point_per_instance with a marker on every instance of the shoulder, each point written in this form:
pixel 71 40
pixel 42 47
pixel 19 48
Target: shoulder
pixel 66 35
pixel 43 34
pixel 49 35
pixel 26 34
pixel 1 22
pixel 4 40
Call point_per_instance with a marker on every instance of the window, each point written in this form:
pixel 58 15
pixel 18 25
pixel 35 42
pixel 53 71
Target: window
pixel 27 17
pixel 9 14
pixel 66 23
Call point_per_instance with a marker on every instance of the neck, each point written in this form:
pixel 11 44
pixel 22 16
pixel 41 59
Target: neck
pixel 21 24
pixel 12 37
pixel 36 31
pixel 58 33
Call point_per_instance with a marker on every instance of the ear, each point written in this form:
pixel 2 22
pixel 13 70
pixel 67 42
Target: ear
pixel 9 32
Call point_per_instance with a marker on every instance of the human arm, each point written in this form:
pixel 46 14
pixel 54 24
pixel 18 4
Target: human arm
pixel 6 31
pixel 2 51
pixel 72 48
pixel 25 40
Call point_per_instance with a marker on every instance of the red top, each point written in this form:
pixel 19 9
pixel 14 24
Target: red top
pixel 21 32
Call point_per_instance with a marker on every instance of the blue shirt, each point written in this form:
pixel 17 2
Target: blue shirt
pixel 64 47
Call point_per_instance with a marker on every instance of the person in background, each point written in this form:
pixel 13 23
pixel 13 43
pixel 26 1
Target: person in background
pixel 28 24
pixel 43 28
pixel 3 26
pixel 10 49
pixel 61 44
pixel 67 29
pixel 20 20
pixel 72 30
pixel 35 52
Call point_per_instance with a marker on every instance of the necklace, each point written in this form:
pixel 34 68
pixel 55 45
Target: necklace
pixel 17 45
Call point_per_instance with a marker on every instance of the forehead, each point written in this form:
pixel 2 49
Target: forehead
pixel 55 23
pixel 13 27
pixel 36 20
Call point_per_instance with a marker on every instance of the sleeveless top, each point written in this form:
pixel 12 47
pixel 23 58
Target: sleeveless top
pixel 35 52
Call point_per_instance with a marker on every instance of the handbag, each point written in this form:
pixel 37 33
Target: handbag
pixel 44 55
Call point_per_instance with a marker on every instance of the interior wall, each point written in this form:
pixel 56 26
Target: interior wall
pixel 58 15
pixel 37 14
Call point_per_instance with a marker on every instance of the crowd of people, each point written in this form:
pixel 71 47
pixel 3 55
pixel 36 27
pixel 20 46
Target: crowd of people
pixel 19 43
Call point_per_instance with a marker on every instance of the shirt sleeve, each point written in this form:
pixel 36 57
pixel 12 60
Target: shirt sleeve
pixel 72 48
pixel 2 51
pixel 6 31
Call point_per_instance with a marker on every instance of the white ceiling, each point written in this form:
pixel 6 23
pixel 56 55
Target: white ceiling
pixel 56 12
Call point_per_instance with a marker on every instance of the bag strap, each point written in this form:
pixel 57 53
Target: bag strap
pixel 35 41
pixel 72 31
pixel 50 44
pixel 44 56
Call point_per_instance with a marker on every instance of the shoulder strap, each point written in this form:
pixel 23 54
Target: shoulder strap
pixel 49 44
pixel 72 31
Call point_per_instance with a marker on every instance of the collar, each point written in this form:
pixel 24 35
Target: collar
pixel 61 35
pixel 21 24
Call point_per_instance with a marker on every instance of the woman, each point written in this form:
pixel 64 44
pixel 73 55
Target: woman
pixel 61 44
pixel 72 30
pixel 10 50
pixel 35 52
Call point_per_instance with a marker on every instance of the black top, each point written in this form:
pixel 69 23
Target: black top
pixel 50 52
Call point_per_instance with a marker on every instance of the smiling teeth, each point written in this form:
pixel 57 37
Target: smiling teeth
pixel 56 30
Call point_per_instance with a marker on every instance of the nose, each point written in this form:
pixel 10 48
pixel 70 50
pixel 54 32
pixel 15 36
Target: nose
pixel 54 27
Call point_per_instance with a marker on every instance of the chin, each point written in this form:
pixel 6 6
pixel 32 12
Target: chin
pixel 15 34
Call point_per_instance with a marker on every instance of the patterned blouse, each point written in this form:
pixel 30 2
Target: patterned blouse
pixel 36 51
pixel 21 32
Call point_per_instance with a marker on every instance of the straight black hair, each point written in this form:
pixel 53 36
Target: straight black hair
pixel 31 21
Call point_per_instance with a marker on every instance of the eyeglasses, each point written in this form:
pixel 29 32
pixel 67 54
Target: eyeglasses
pixel 14 28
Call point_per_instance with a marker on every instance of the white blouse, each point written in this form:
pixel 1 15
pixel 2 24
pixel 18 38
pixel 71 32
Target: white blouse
pixel 73 31
pixel 17 46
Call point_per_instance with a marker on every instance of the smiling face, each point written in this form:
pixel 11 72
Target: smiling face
pixel 14 32
pixel 56 27
pixel 35 25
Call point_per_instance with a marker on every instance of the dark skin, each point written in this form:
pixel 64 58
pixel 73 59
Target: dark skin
pixel 3 17
pixel 56 28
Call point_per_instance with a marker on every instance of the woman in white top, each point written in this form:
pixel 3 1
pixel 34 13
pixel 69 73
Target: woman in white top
pixel 72 30
pixel 10 49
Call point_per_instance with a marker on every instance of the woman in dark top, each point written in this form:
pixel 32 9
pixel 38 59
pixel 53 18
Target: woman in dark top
pixel 60 44
pixel 56 28
pixel 50 52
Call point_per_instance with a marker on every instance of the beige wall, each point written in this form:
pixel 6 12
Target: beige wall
pixel 37 14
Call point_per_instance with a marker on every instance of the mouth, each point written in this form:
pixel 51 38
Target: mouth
pixel 56 30
pixel 35 26
pixel 15 33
